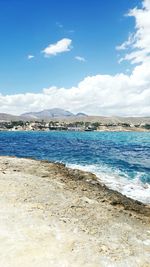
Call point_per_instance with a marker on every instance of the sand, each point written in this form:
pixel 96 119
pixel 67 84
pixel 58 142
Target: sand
pixel 51 216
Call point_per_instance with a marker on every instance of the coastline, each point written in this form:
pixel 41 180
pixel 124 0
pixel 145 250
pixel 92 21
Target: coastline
pixel 52 215
pixel 81 124
pixel 106 129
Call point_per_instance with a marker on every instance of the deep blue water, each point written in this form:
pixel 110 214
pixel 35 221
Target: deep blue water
pixel 126 154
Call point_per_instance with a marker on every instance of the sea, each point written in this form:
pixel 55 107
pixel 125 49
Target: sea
pixel 121 160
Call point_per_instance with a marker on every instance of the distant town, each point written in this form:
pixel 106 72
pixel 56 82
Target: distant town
pixel 70 126
pixel 61 120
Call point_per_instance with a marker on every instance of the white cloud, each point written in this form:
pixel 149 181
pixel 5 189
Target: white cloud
pixel 82 59
pixel 127 43
pixel 125 95
pixel 146 4
pixel 30 57
pixel 138 43
pixel 61 46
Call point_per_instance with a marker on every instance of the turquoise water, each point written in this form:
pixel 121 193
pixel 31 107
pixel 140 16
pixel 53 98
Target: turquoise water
pixel 120 159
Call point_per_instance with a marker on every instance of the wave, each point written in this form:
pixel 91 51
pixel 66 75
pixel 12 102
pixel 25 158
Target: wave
pixel 119 181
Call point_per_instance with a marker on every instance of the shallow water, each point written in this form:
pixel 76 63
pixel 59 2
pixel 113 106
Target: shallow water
pixel 120 159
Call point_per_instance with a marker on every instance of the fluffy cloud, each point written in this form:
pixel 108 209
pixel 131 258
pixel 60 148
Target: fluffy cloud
pixel 138 43
pixel 30 57
pixel 82 59
pixel 61 46
pixel 125 95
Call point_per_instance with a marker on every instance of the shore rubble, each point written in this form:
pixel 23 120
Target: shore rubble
pixel 52 216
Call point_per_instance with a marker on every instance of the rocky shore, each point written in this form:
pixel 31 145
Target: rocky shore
pixel 52 216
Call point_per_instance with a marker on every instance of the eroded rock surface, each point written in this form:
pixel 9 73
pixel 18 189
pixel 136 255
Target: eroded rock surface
pixel 51 216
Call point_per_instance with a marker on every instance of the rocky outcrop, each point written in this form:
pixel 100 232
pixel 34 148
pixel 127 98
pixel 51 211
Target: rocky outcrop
pixel 55 216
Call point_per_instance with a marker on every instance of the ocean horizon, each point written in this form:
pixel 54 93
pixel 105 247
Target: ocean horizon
pixel 120 160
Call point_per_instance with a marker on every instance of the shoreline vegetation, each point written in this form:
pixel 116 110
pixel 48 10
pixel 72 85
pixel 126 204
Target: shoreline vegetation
pixel 60 125
pixel 52 215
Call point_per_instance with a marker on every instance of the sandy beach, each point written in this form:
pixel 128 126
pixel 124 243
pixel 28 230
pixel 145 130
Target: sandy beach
pixel 52 216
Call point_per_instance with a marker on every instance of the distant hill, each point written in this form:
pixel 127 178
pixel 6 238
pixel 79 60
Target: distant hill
pixel 51 113
pixel 9 117
pixel 48 113
pixel 110 120
pixel 80 114
pixel 64 115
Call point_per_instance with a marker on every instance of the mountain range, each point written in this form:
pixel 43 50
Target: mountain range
pixel 64 115
pixel 52 113
pixel 44 114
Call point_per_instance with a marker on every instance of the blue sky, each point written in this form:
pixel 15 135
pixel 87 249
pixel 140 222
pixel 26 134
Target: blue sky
pixel 28 26
pixel 89 56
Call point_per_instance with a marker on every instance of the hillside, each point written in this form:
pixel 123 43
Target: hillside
pixel 57 114
pixel 10 117
pixel 49 113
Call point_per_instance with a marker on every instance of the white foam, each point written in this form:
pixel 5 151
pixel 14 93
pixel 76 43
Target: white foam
pixel 122 183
